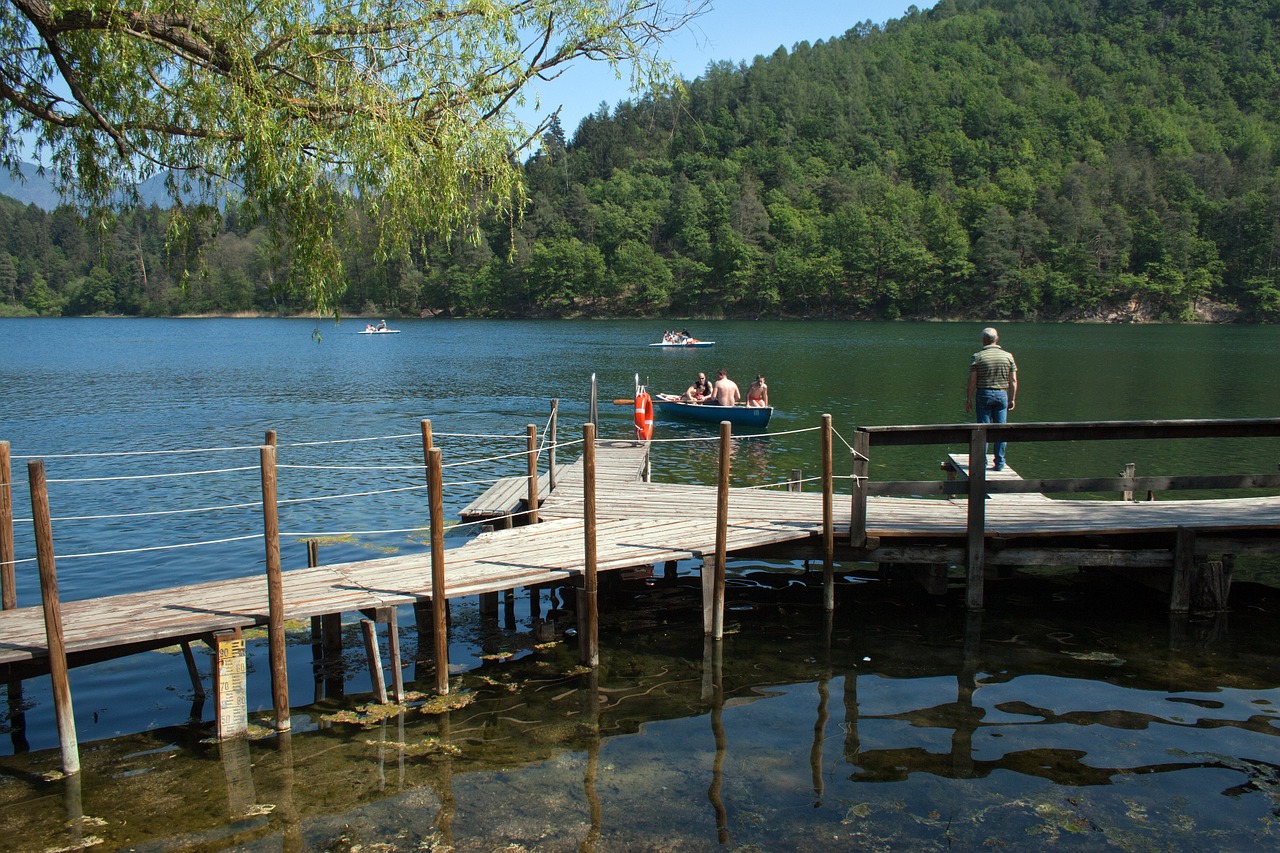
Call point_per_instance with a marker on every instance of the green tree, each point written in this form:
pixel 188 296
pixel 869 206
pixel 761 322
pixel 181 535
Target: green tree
pixel 401 109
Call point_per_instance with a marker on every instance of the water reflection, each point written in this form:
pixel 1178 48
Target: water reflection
pixel 1020 727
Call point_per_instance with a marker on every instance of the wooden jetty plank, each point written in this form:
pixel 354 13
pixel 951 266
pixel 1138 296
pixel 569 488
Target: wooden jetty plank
pixel 507 496
pixel 959 463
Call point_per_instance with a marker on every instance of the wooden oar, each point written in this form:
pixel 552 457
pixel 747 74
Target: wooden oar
pixel 622 401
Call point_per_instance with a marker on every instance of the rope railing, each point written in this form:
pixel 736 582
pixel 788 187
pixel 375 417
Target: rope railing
pixel 169 474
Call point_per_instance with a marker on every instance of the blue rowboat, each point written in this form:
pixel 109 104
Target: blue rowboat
pixel 755 417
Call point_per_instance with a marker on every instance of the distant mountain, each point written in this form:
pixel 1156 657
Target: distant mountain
pixel 30 187
pixel 34 188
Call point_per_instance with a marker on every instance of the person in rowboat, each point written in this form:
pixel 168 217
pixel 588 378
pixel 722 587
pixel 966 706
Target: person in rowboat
pixel 725 392
pixel 702 388
pixel 758 393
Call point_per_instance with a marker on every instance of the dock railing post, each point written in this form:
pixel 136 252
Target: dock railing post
pixel 976 527
pixel 861 470
pixel 828 526
pixel 275 589
pixel 595 407
pixel 53 618
pixel 722 534
pixel 551 445
pixel 531 434
pixel 589 648
pixel 439 614
pixel 8 590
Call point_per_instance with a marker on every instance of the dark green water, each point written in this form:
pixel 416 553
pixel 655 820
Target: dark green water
pixel 1072 714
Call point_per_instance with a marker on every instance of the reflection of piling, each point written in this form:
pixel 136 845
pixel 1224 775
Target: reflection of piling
pixel 713 676
pixel 53 618
pixel 590 776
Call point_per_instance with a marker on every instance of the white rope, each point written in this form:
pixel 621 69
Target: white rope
pixel 145 514
pixel 784 483
pixel 135 453
pixel 18 562
pixel 350 440
pixel 850 446
pixel 476 435
pixel 420 528
pixel 159 547
pixel 414 467
pixel 153 476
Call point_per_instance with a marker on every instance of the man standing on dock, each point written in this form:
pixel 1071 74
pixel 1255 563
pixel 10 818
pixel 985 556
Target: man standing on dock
pixel 993 376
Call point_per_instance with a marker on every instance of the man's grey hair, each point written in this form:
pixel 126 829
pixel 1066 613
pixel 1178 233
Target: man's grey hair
pixel 990 335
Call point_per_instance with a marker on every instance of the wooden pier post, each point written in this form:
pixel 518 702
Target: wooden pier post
pixel 275 590
pixel 975 562
pixel 1184 569
pixel 8 590
pixel 861 470
pixel 439 612
pixel 722 534
pixel 828 522
pixel 531 434
pixel 63 711
pixel 551 446
pixel 369 629
pixel 589 647
pixel 1130 469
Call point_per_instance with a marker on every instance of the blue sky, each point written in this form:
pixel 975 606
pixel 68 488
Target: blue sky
pixel 733 30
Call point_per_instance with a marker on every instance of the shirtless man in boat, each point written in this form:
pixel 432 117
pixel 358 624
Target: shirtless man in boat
pixel 725 392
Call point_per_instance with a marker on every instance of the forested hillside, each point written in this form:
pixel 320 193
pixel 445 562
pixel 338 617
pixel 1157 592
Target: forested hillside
pixel 987 158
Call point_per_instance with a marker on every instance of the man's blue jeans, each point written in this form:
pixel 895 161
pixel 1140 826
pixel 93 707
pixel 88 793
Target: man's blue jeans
pixel 993 408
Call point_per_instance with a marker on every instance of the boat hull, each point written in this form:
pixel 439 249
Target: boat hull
pixel 378 332
pixel 756 417
pixel 685 345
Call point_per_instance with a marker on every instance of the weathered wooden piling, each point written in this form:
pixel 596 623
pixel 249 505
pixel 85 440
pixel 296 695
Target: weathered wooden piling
pixel 531 437
pixel 722 533
pixel 8 589
pixel 589 616
pixel 828 523
pixel 53 618
pixel 369 630
pixel 438 612
pixel 551 445
pixel 975 562
pixel 275 590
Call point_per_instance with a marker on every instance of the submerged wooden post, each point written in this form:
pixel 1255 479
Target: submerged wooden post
pixel 551 446
pixel 439 612
pixel 8 590
pixel 1184 567
pixel 374 655
pixel 590 645
pixel 275 590
pixel 861 470
pixel 975 561
pixel 531 433
pixel 722 534
pixel 53 618
pixel 230 707
pixel 828 523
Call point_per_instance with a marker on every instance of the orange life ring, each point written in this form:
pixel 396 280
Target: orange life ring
pixel 644 416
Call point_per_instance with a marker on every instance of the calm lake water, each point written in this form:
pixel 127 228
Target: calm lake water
pixel 1071 713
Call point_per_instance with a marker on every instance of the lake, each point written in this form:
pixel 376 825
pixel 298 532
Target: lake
pixel 1071 713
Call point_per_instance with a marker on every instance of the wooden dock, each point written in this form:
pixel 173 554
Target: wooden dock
pixel 640 523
